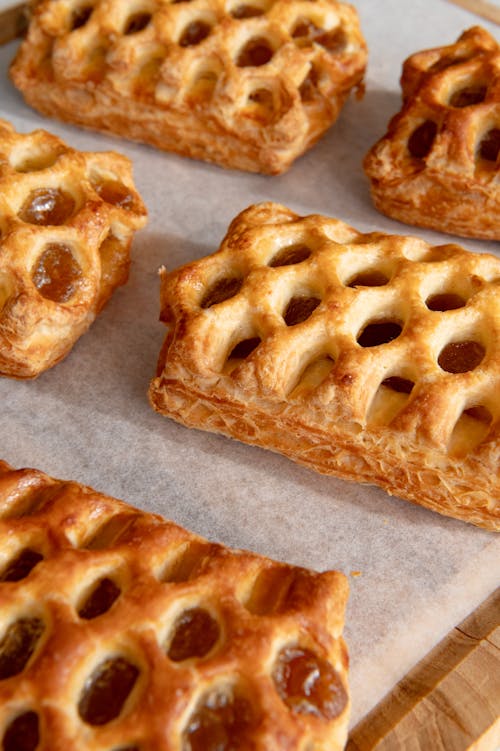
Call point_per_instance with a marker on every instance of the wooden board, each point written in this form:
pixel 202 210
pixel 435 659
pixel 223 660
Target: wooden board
pixel 482 8
pixel 450 701
pixel 13 22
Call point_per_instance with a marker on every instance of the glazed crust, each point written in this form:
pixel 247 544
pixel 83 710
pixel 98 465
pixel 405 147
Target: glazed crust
pixel 67 220
pixel 438 165
pixel 91 587
pixel 372 357
pixel 252 94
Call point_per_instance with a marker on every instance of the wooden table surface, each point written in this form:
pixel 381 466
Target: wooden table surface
pixel 450 701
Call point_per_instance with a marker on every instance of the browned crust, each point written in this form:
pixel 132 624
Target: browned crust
pixel 255 118
pixel 451 188
pixel 420 445
pixel 38 330
pixel 161 571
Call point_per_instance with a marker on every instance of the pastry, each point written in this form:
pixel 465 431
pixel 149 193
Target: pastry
pixel 121 630
pixel 66 223
pixel 372 357
pixel 438 166
pixel 248 85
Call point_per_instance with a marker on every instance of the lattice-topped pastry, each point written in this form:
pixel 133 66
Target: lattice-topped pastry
pixel 248 84
pixel 121 630
pixel 66 223
pixel 372 357
pixel 438 166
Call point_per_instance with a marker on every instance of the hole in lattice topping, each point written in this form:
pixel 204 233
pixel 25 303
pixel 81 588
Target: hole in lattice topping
pixel 470 430
pixel 308 89
pixel 18 644
pixel 223 721
pixel 22 734
pixel 299 309
pixel 137 22
pixel 21 566
pixel 369 278
pixel 421 140
pixel 35 157
pixel 447 61
pixel 194 33
pixel 290 255
pixel 244 348
pixel 247 11
pixel 195 633
pixel 389 399
pixel 261 104
pixel 111 532
pixel 56 273
pixel 113 192
pixel 29 502
pixel 379 332
pixel 257 51
pixel 185 564
pixel 106 691
pixel 80 16
pixel 94 66
pixel 223 289
pixel 100 599
pixel 460 357
pixel 313 375
pixel 445 301
pixel 268 591
pixel 204 81
pixel 305 32
pixel 308 684
pixel 398 384
pixel 47 206
pixel 489 146
pixel 468 95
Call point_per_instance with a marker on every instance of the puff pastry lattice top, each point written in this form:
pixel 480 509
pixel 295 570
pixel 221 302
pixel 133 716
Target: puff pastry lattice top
pixel 377 330
pixel 66 223
pixel 120 630
pixel 272 70
pixel 449 130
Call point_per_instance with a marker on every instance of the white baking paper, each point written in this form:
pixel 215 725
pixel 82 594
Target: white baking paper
pixel 413 573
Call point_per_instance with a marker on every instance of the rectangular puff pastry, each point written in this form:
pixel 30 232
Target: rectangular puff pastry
pixel 438 165
pixel 121 630
pixel 372 357
pixel 67 219
pixel 247 84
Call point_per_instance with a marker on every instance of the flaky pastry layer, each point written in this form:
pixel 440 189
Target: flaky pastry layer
pixel 67 219
pixel 372 357
pixel 438 165
pixel 248 86
pixel 121 630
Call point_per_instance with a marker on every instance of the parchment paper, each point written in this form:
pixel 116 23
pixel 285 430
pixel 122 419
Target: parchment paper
pixel 413 573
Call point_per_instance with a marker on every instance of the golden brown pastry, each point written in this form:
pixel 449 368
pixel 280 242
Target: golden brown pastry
pixel 372 357
pixel 121 630
pixel 438 166
pixel 66 223
pixel 248 85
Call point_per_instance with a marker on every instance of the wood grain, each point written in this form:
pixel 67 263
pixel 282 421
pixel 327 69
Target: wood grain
pixel 450 701
pixel 13 22
pixel 482 8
